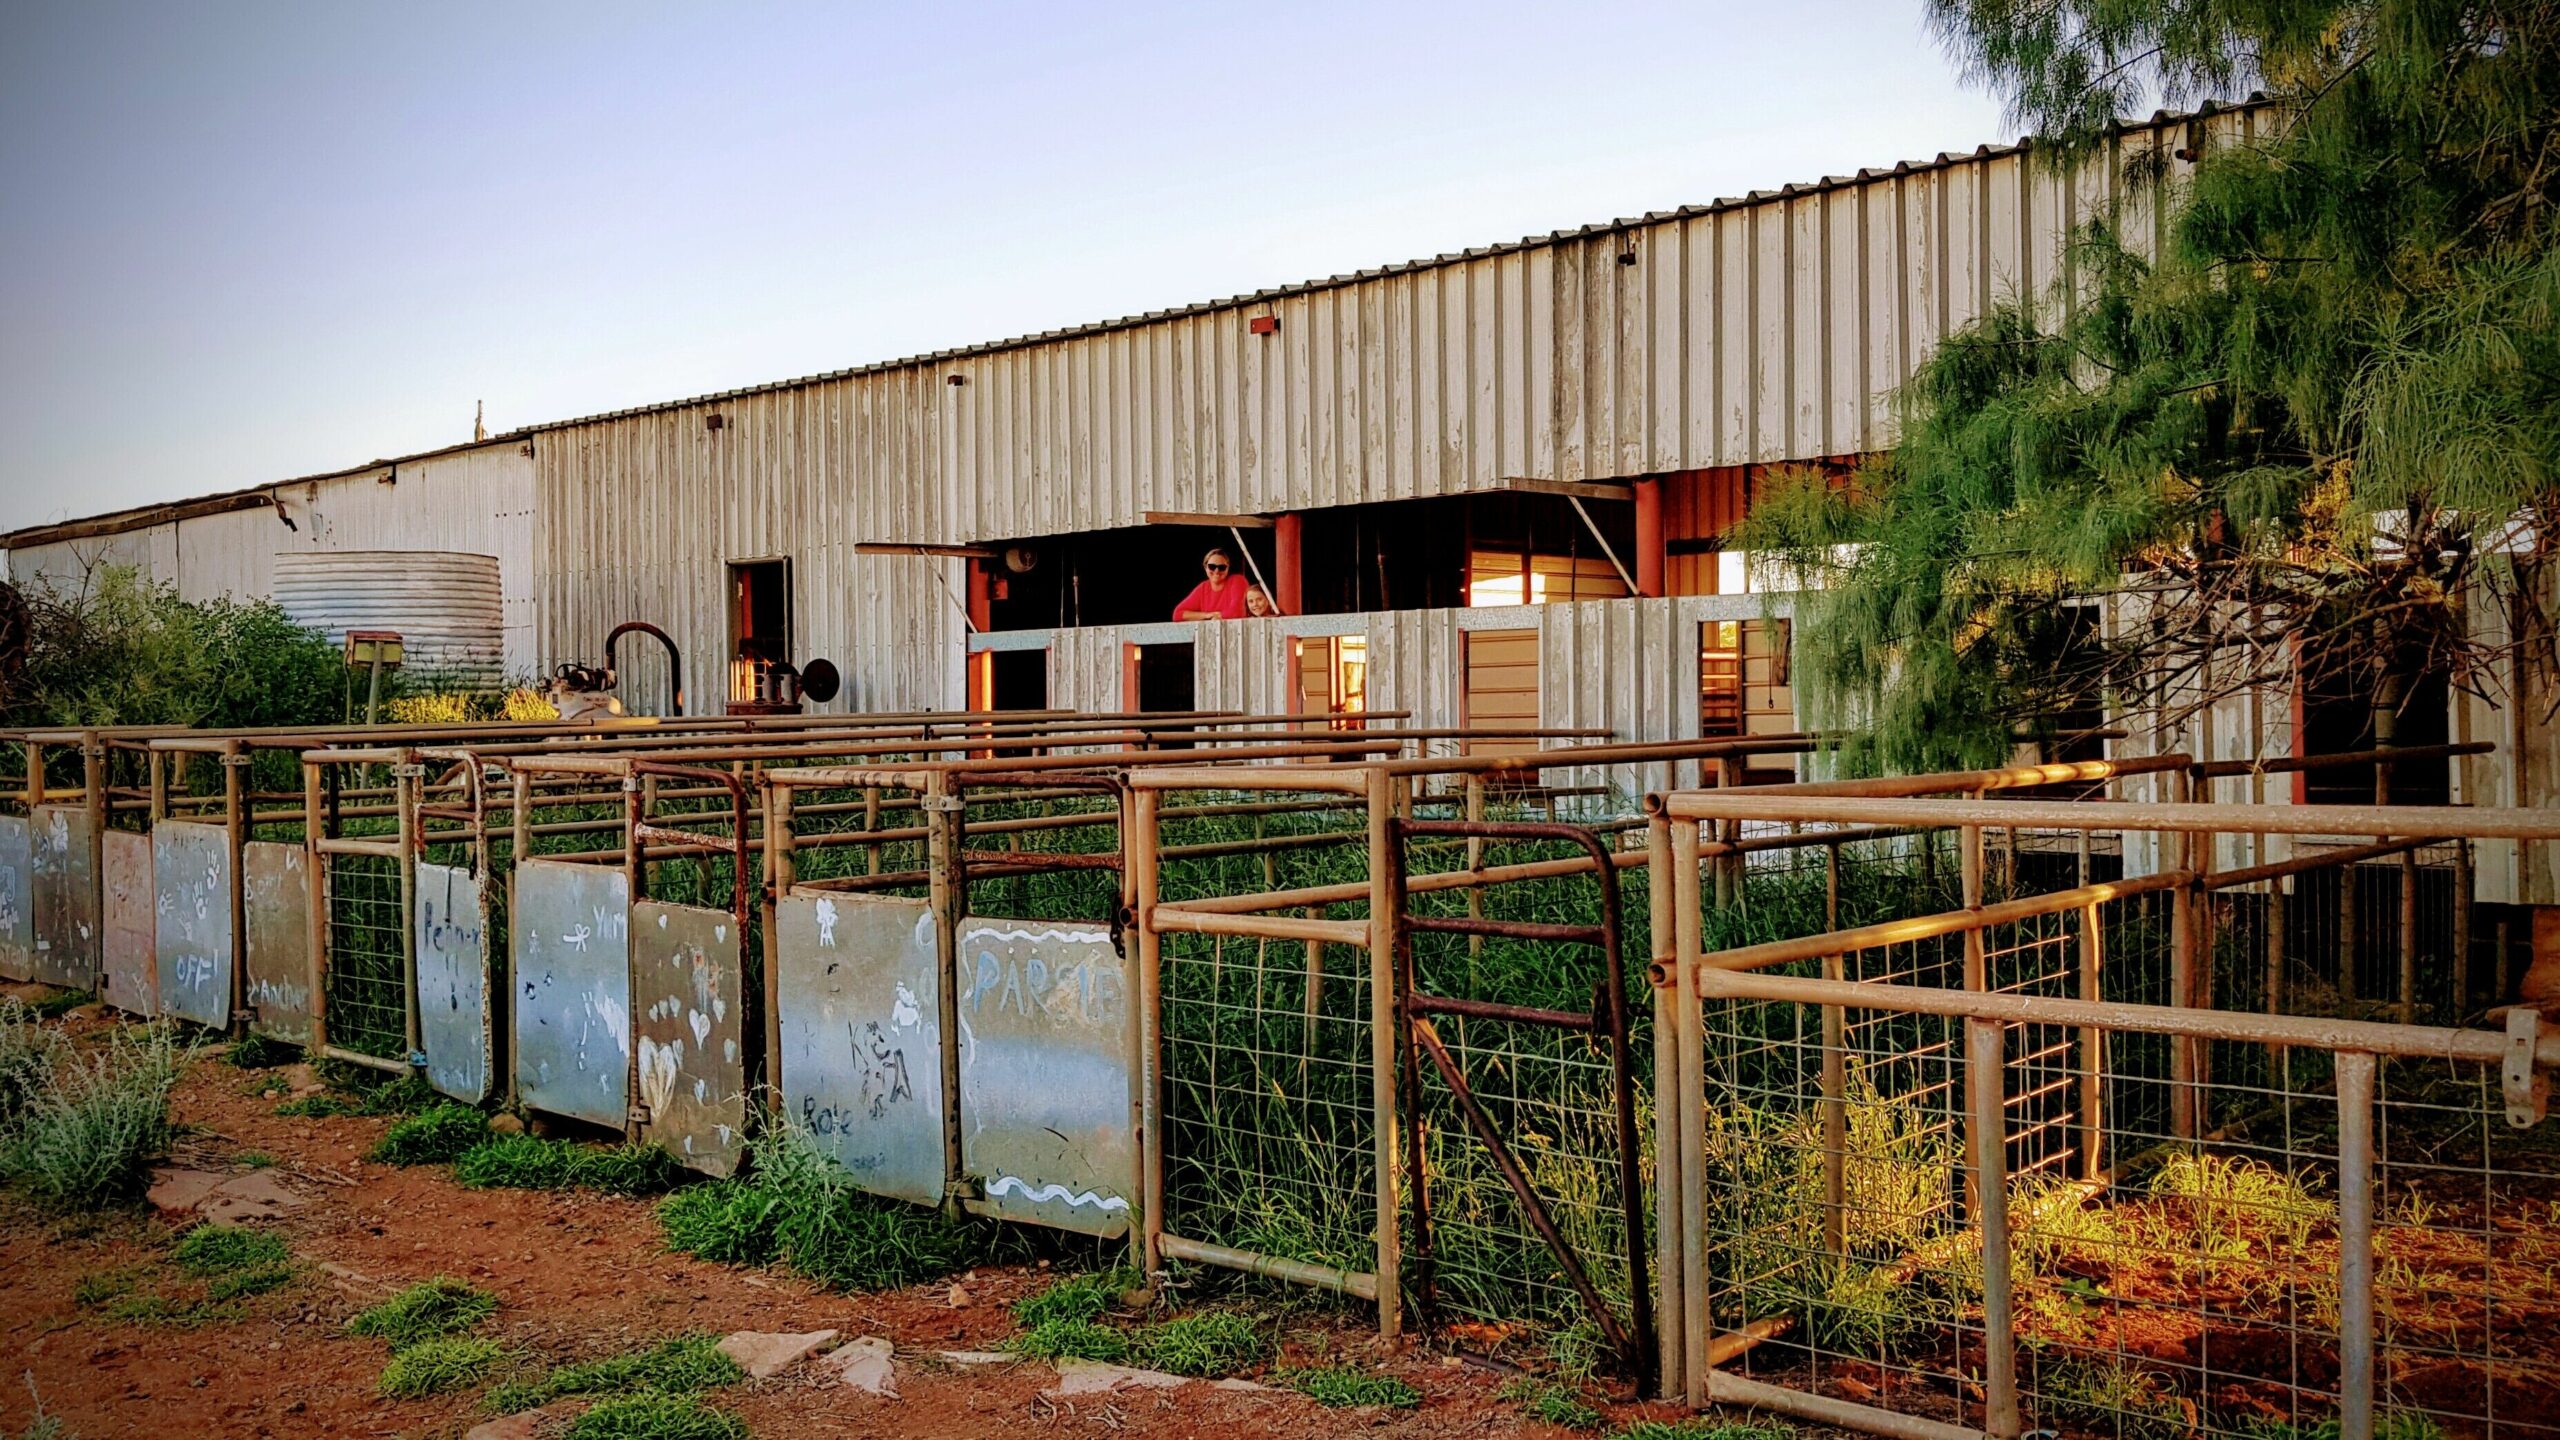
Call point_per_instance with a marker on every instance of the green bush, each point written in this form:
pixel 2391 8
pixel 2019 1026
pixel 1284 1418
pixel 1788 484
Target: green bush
pixel 221 1249
pixel 28 1051
pixel 432 1137
pixel 117 649
pixel 432 1367
pixel 1071 1340
pixel 427 1311
pixel 90 1135
pixel 656 1417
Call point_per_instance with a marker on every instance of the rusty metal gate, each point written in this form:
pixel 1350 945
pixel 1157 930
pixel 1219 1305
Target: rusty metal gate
pixel 1419 1011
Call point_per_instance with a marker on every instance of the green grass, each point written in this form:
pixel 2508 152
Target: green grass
pixel 1348 1386
pixel 1210 1345
pixel 1065 1339
pixel 254 1160
pixel 656 1417
pixel 432 1367
pixel 221 1249
pixel 800 1210
pixel 319 1107
pixel 60 1003
pixel 431 1137
pixel 1085 1296
pixel 528 1162
pixel 28 1051
pixel 426 1311
pixel 1552 1403
pixel 674 1367
pixel 245 1283
pixel 258 1052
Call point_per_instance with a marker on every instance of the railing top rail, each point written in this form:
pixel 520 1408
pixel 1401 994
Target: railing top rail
pixel 2366 821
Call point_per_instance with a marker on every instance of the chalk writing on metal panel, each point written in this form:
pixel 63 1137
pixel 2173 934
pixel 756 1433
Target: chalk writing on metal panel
pixel 861 1039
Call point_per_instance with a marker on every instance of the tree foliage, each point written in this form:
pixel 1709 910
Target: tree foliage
pixel 117 649
pixel 2296 405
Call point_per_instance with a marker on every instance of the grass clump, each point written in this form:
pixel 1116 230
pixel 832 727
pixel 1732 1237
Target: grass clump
pixel 60 1003
pixel 656 1417
pixel 432 1137
pixel 427 1311
pixel 1206 1346
pixel 2115 1399
pixel 432 1367
pixel 1064 1339
pixel 222 1249
pixel 802 1211
pixel 28 1051
pixel 88 1135
pixel 1552 1403
pixel 675 1367
pixel 260 1052
pixel 1085 1296
pixel 1348 1386
pixel 246 1283
pixel 529 1162
pixel 2222 1206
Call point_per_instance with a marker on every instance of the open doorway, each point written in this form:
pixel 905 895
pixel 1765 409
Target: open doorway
pixel 1018 680
pixel 1160 678
pixel 759 628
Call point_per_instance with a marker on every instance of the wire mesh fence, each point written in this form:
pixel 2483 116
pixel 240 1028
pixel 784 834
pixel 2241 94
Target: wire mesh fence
pixel 368 1004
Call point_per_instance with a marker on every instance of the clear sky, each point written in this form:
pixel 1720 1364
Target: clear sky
pixel 244 241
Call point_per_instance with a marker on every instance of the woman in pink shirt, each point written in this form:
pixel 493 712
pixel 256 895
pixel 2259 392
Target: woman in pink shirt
pixel 1220 597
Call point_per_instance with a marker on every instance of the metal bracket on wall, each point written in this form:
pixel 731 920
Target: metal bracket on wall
pixel 2528 1090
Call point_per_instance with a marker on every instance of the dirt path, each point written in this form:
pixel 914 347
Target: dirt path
pixel 578 1276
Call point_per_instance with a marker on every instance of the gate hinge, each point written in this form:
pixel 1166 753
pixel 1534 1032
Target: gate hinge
pixel 639 1115
pixel 945 804
pixel 2528 1089
pixel 408 772
pixel 242 758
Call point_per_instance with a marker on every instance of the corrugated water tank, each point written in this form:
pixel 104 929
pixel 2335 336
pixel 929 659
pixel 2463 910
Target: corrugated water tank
pixel 446 606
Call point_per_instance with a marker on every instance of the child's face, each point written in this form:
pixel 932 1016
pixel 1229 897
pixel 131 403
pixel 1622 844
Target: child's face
pixel 1256 603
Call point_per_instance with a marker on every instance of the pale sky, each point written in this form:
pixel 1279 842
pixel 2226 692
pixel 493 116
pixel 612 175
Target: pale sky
pixel 246 241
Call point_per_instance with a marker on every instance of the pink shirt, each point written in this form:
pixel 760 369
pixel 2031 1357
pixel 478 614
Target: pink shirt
pixel 1224 596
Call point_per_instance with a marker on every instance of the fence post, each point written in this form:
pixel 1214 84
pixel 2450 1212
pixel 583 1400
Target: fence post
pixel 780 871
pixel 1138 854
pixel 519 850
pixel 2182 993
pixel 1689 1024
pixel 948 889
pixel 2093 1048
pixel 1475 857
pixel 1987 1093
pixel 2278 1068
pixel 2463 882
pixel 1977 981
pixel 1670 1305
pixel 2355 1075
pixel 635 883
pixel 406 777
pixel 2408 937
pixel 315 876
pixel 235 825
pixel 1383 925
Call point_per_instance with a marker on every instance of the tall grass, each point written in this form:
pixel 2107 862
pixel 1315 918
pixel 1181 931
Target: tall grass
pixel 89 1133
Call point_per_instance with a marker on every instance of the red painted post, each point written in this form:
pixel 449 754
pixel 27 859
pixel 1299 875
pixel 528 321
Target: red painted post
pixel 1287 534
pixel 1649 547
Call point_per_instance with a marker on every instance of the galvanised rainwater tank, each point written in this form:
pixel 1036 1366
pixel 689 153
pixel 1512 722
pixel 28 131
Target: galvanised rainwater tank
pixel 446 606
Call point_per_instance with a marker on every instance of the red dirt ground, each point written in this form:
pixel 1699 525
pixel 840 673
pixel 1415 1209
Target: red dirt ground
pixel 579 1276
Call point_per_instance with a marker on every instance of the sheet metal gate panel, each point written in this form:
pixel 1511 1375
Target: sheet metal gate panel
pixel 192 864
pixel 65 893
pixel 279 913
pixel 857 981
pixel 1045 1036
pixel 572 978
pixel 687 992
pixel 17 912
pixel 128 956
pixel 453 981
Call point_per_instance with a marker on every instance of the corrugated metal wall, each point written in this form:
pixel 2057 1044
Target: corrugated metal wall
pixel 478 501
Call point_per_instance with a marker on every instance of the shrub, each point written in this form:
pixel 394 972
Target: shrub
pixel 221 1249
pixel 727 1222
pixel 656 1417
pixel 439 1307
pixel 1344 1386
pixel 431 708
pixel 28 1050
pixel 1208 1346
pixel 118 649
pixel 88 1137
pixel 432 1367
pixel 432 1137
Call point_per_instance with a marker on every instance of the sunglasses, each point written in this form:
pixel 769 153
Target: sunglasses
pixel 1218 568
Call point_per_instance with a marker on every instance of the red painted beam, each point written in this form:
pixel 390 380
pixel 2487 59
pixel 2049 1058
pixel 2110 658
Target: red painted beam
pixel 1650 564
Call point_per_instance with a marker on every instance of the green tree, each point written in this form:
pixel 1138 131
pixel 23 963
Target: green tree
pixel 2305 422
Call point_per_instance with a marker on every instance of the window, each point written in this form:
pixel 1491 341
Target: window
pixel 759 628
pixel 1498 577
pixel 1744 687
pixel 1333 679
pixel 1502 686
pixel 1009 680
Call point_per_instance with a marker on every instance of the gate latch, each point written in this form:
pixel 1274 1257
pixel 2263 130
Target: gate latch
pixel 1122 919
pixel 2528 1089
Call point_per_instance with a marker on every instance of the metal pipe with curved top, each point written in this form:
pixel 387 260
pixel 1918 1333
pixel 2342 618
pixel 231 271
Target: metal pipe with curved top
pixel 675 657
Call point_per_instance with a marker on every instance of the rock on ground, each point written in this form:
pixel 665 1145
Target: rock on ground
pixel 761 1354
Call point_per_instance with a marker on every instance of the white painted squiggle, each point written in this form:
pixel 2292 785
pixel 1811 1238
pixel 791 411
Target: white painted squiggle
pixel 1015 1185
